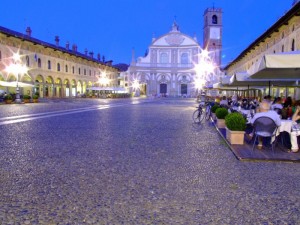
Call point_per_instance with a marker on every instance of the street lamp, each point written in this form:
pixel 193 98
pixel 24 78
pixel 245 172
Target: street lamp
pixel 204 69
pixel 17 68
pixel 135 85
pixel 103 79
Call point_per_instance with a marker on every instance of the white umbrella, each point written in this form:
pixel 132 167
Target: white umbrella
pixel 282 66
pixel 244 79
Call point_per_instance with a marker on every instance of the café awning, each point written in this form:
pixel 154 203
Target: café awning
pixel 281 66
pixel 244 79
pixel 14 84
pixel 117 89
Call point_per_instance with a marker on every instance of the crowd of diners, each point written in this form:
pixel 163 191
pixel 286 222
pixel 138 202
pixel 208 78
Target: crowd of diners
pixel 276 108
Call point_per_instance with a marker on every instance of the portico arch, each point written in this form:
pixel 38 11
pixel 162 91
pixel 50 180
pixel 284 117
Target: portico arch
pixel 49 85
pixel 58 88
pixel 11 77
pixel 39 85
pixel 84 86
pixel 26 78
pixel 1 77
pixel 66 88
pixel 73 88
pixel 79 87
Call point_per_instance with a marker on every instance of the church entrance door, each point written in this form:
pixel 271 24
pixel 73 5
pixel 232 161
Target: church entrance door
pixel 163 89
pixel 184 89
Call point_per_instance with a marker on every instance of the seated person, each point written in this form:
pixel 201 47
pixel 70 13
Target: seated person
pixel 245 104
pixel 264 110
pixel 224 101
pixel 277 104
pixel 295 133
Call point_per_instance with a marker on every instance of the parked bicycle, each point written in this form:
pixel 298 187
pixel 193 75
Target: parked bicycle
pixel 208 114
pixel 198 114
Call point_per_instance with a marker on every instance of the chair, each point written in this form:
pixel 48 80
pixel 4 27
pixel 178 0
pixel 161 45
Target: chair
pixel 264 127
pixel 278 111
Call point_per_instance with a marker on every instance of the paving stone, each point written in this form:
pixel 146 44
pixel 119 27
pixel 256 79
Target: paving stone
pixel 134 164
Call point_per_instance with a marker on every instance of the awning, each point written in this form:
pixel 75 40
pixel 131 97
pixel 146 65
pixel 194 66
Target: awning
pixel 118 89
pixel 244 79
pixel 225 87
pixel 14 84
pixel 282 66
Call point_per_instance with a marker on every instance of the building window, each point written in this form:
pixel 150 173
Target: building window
pixel 58 67
pixel 49 65
pixel 84 71
pixel 214 19
pixel 27 60
pixel 90 73
pixel 293 45
pixel 164 58
pixel 66 68
pixel 78 70
pixel 73 69
pixel 39 63
pixel 282 48
pixel 184 58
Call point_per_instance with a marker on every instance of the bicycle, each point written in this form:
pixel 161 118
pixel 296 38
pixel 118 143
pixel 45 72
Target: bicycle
pixel 198 114
pixel 208 111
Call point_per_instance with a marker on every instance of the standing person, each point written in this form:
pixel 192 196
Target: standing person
pixel 296 130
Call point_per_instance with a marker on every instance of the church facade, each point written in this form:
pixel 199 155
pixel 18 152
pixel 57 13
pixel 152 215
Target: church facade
pixel 169 67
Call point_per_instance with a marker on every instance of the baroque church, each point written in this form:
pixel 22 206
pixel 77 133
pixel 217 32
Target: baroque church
pixel 170 66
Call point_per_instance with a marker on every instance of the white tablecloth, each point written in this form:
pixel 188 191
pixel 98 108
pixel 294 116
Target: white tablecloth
pixel 286 125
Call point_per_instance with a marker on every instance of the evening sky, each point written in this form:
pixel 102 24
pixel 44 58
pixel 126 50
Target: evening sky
pixel 114 27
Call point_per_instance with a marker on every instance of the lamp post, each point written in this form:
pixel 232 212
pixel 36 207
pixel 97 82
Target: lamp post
pixel 203 70
pixel 136 87
pixel 103 80
pixel 17 68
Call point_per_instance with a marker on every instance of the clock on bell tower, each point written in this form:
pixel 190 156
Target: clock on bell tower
pixel 213 33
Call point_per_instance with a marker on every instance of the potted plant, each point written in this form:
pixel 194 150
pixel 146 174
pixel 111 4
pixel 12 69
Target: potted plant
pixel 235 128
pixel 8 99
pixel 213 111
pixel 35 98
pixel 221 113
pixel 26 98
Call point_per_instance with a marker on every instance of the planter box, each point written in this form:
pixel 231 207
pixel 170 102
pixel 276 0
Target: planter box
pixel 8 101
pixel 26 100
pixel 35 100
pixel 221 123
pixel 235 137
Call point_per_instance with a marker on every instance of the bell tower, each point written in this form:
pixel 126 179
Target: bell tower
pixel 213 33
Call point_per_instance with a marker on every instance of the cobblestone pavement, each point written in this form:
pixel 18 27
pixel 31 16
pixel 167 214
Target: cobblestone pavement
pixel 134 164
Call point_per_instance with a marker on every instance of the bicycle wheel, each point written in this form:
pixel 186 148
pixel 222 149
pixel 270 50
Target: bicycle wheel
pixel 198 116
pixel 207 113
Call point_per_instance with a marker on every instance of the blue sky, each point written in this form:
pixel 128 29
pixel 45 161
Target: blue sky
pixel 113 27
